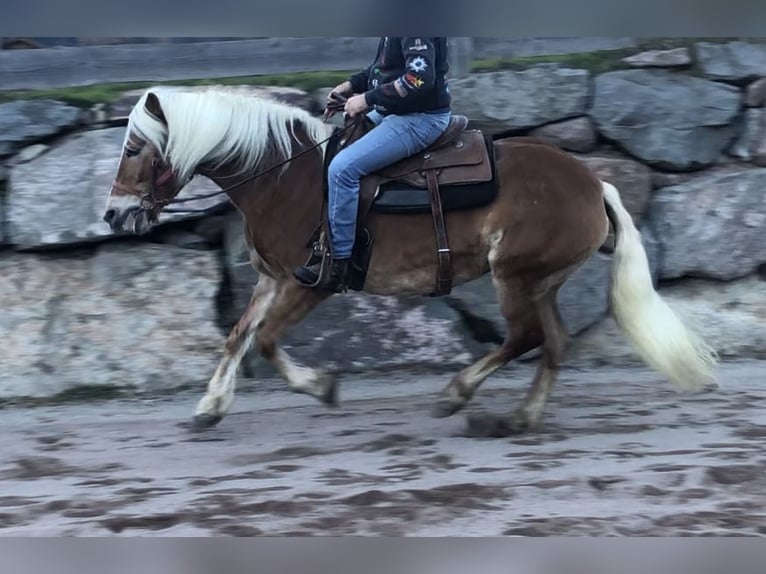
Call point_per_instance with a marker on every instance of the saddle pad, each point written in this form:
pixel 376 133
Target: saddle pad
pixel 400 197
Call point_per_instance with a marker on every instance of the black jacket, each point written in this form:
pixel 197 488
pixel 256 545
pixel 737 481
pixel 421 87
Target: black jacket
pixel 418 65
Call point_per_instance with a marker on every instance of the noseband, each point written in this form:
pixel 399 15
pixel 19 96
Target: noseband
pixel 161 175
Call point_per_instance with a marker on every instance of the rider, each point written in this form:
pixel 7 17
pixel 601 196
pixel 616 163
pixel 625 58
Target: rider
pixel 406 93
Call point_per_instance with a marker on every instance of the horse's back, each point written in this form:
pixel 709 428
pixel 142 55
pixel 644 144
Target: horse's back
pixel 550 202
pixel 534 160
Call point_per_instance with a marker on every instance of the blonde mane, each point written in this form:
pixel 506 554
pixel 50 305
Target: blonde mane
pixel 219 125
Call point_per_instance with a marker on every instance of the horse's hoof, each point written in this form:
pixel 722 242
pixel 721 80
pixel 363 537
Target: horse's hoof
pixel 330 395
pixel 205 421
pixel 487 425
pixel 446 407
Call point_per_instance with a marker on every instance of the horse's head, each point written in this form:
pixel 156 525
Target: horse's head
pixel 145 182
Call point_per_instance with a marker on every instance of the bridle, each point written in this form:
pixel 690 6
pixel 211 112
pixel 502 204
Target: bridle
pixel 162 173
pixel 149 201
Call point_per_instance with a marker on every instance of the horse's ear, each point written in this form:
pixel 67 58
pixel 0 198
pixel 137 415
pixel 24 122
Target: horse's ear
pixel 153 106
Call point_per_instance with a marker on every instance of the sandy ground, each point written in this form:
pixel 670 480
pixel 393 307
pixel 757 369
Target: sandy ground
pixel 620 454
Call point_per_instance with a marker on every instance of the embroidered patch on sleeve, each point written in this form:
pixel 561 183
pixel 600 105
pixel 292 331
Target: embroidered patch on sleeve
pixel 418 46
pixel 418 64
pixel 413 80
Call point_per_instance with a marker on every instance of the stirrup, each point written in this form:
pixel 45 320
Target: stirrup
pixel 320 254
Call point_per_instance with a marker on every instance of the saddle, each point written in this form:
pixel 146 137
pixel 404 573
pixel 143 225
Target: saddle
pixel 456 172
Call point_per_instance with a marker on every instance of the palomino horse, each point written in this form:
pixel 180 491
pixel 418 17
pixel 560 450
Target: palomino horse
pixel 549 215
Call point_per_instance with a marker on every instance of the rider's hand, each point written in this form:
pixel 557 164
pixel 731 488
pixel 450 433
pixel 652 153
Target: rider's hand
pixel 356 105
pixel 343 89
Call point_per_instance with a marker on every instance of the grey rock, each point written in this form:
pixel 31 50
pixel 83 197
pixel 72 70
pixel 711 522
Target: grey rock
pixel 751 145
pixel 170 235
pixel 363 332
pixel 728 316
pixel 123 104
pixel 632 179
pixel 59 198
pixel 505 100
pixel 3 176
pixel 734 61
pixel 125 315
pixel 239 276
pixel 660 58
pixel 28 154
pixel 670 121
pixel 755 94
pixel 662 179
pixel 713 226
pixel 577 135
pixel 583 299
pixel 98 113
pixel 26 121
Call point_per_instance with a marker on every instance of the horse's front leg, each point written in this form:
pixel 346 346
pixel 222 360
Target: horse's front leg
pixel 273 307
pixel 290 306
pixel 220 390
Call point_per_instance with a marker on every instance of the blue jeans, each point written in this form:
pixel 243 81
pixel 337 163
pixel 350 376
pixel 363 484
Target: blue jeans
pixel 393 138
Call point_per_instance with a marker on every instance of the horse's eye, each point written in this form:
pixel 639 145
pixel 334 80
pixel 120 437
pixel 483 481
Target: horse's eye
pixel 130 152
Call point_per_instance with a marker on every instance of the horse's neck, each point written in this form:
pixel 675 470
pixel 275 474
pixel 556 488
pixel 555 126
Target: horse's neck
pixel 281 209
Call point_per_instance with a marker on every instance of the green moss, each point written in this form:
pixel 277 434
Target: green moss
pixel 86 96
pixel 595 62
pixel 601 61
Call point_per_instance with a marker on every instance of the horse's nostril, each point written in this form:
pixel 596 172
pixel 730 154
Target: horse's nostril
pixel 110 215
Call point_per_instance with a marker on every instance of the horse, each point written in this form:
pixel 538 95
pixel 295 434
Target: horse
pixel 549 215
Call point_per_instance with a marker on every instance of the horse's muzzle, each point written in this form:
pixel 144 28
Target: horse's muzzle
pixel 137 217
pixel 110 216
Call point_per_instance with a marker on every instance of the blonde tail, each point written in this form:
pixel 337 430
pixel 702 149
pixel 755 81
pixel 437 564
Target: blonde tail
pixel 651 326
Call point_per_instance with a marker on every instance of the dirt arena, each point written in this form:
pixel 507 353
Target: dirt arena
pixel 620 454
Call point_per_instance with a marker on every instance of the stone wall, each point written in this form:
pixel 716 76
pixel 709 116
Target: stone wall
pixel 681 133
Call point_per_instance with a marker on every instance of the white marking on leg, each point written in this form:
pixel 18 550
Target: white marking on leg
pixel 464 384
pixel 300 379
pixel 220 393
pixel 535 403
pixel 494 240
pixel 220 390
pixel 473 375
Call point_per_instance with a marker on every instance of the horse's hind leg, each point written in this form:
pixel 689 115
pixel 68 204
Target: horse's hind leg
pixel 555 345
pixel 524 333
pixel 554 352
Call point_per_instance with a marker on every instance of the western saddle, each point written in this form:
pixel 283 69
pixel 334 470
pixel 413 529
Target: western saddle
pixel 457 164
